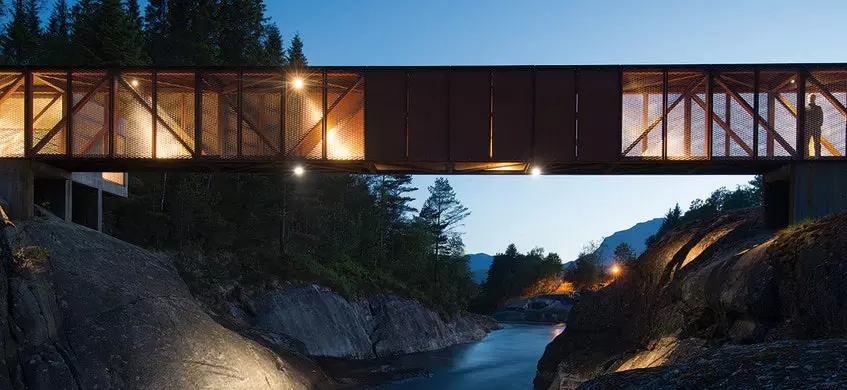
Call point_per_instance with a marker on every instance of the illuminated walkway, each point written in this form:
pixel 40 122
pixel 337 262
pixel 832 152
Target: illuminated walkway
pixel 561 119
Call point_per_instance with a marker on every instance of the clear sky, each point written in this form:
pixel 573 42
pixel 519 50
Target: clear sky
pixel 563 213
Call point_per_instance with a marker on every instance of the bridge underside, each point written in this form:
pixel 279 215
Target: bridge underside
pixel 727 119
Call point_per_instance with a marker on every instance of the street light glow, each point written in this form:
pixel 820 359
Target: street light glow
pixel 298 83
pixel 134 82
pixel 299 170
pixel 615 270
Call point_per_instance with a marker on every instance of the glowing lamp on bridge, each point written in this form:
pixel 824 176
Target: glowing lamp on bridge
pixel 535 171
pixel 298 83
pixel 134 82
pixel 299 170
pixel 615 270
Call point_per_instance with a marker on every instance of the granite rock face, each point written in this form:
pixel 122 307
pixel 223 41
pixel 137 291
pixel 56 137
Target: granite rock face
pixel 330 326
pixel 84 310
pixel 725 280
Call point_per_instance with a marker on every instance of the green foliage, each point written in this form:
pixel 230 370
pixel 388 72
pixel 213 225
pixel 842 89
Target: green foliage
pixel 587 270
pixel 514 275
pixel 295 56
pixel 22 40
pixel 624 254
pixel 720 200
pixel 29 260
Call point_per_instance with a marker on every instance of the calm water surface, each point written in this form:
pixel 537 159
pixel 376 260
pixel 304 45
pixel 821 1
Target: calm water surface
pixel 506 359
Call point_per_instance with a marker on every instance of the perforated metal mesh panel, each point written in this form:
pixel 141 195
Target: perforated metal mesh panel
pixel 220 104
pixel 686 119
pixel 303 114
pixel 641 130
pixel 261 129
pixel 48 111
pixel 778 109
pixel 90 119
pixel 345 135
pixel 12 121
pixel 733 126
pixel 175 110
pixel 828 87
pixel 134 119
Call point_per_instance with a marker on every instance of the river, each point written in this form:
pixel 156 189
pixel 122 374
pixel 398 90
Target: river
pixel 505 359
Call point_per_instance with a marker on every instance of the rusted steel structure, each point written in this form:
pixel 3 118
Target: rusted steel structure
pixel 678 119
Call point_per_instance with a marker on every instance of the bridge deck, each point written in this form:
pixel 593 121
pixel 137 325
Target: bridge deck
pixel 483 120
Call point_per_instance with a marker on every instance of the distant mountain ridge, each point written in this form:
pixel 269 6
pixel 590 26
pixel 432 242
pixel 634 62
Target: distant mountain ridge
pixel 635 236
pixel 479 264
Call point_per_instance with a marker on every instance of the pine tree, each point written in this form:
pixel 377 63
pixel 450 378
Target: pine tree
pixel 274 52
pixel 295 57
pixel 442 213
pixel 105 34
pixel 242 29
pixel 21 45
pixel 624 253
pixel 155 34
pixel 57 37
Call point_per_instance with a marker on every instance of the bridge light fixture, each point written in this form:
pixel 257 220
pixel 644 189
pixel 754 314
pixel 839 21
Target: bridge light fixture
pixel 535 171
pixel 298 83
pixel 134 82
pixel 299 170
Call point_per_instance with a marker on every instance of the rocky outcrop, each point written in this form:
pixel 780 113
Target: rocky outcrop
pixel 722 281
pixel 327 325
pixel 84 310
pixel 779 365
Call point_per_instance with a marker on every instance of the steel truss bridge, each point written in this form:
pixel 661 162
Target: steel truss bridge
pixel 680 119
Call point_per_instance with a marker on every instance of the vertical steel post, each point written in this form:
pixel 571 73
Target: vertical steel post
pixel 665 114
pixel 155 99
pixel 408 106
pixel 112 109
pixel 726 140
pixel 686 127
pixel 325 116
pixel 709 112
pixel 800 146
pixel 756 115
pixel 282 93
pixel 240 115
pixel 645 122
pixel 198 115
pixel 490 114
pixel 28 102
pixel 769 141
pixel 69 99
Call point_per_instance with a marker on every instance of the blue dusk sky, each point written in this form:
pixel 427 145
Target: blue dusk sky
pixel 562 213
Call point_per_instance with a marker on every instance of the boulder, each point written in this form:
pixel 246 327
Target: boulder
pixel 84 310
pixel 722 280
pixel 327 325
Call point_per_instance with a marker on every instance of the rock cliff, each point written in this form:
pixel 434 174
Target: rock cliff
pixel 721 281
pixel 327 325
pixel 84 310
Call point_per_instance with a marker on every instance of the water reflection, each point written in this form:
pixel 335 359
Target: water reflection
pixel 506 359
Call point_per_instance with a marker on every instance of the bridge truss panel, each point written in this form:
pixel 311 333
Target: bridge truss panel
pixel 50 105
pixel 828 86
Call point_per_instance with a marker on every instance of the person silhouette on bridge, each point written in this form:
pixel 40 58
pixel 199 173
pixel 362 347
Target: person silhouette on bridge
pixel 814 121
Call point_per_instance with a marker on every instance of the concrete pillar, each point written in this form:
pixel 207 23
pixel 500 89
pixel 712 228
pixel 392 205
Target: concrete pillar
pixel 17 188
pixel 818 189
pixel 87 206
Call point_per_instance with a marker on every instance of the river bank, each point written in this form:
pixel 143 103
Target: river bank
pixel 85 310
pixel 505 359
